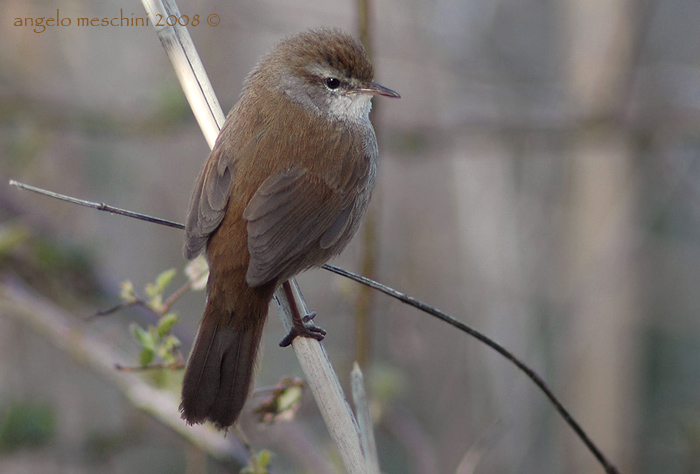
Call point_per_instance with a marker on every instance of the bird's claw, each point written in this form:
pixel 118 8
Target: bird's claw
pixel 303 330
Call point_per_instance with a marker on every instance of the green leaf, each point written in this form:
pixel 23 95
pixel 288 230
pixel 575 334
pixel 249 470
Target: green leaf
pixel 166 356
pixel 166 348
pixel 127 292
pixel 156 303
pixel 289 399
pixel 166 323
pixel 264 458
pixel 282 403
pixel 259 463
pixel 147 356
pixel 171 342
pixel 144 337
pixel 162 281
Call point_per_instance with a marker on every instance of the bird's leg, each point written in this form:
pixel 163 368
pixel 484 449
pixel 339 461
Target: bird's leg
pixel 300 324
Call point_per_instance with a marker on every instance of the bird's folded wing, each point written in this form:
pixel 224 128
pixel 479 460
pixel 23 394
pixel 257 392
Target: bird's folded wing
pixel 208 202
pixel 293 214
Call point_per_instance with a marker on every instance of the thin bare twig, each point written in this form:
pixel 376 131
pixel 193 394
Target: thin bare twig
pixel 139 301
pixel 127 304
pixel 145 368
pixel 531 374
pixel 177 294
pixel 244 440
pixel 364 420
pixel 119 307
pixel 100 206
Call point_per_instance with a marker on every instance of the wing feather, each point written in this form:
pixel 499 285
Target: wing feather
pixel 209 200
pixel 286 216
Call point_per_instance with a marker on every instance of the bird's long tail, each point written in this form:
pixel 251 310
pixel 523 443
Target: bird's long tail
pixel 221 365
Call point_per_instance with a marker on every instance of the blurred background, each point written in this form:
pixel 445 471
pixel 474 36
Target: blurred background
pixel 539 180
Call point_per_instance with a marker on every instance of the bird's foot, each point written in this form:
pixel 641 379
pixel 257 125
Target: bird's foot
pixel 302 328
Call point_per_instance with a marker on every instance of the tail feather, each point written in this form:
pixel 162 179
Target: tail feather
pixel 238 364
pixel 220 370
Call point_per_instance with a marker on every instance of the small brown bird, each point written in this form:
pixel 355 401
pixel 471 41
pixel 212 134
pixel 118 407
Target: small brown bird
pixel 283 190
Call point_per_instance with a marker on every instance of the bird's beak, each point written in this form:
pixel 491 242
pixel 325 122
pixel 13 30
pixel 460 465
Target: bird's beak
pixel 378 89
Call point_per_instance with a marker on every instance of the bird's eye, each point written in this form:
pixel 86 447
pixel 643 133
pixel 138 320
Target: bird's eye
pixel 332 83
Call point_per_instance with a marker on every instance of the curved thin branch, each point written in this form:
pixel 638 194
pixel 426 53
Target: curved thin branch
pixel 532 375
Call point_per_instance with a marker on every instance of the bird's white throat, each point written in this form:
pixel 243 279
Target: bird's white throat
pixel 350 107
